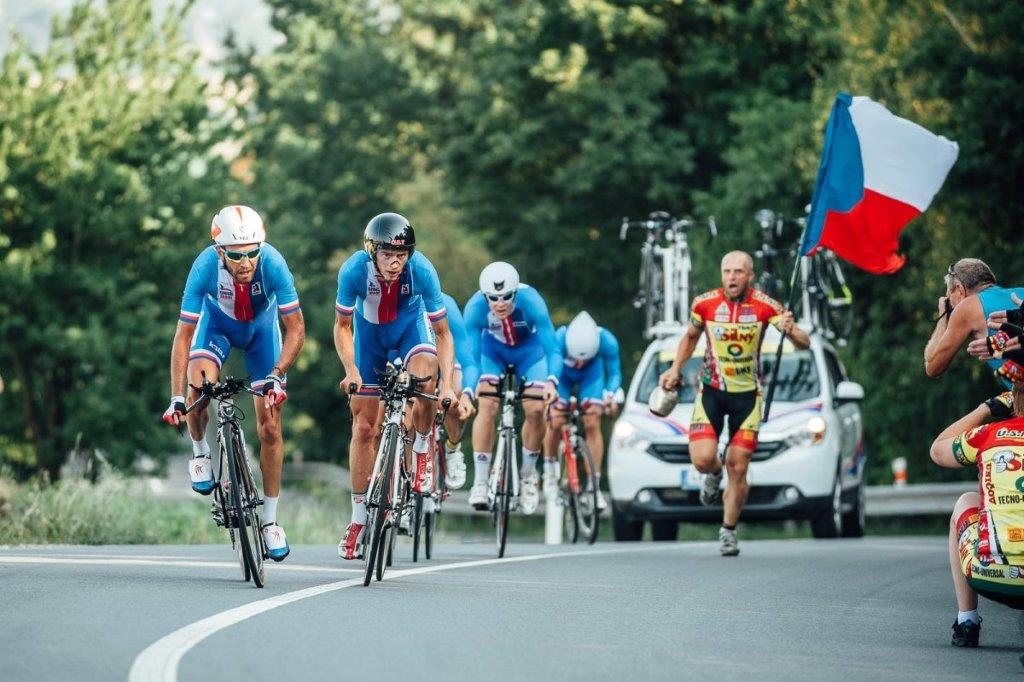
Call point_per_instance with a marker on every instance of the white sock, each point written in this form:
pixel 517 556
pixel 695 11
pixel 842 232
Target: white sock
pixel 964 616
pixel 421 445
pixel 529 467
pixel 481 466
pixel 270 509
pixel 359 508
pixel 550 467
pixel 200 448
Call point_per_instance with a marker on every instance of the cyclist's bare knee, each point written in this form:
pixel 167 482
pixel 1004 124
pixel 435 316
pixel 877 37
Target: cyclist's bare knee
pixel 703 454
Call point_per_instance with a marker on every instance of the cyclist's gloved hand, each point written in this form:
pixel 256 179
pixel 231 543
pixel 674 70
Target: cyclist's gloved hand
pixel 1001 406
pixel 1011 371
pixel 175 411
pixel 273 388
pixel 997 343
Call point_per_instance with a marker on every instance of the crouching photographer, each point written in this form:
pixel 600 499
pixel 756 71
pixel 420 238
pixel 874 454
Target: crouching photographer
pixel 986 531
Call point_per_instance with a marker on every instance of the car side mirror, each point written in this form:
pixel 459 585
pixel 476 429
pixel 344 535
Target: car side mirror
pixel 849 392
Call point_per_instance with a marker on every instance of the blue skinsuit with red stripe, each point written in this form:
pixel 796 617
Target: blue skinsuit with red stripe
pixel 526 338
pixel 391 320
pixel 229 315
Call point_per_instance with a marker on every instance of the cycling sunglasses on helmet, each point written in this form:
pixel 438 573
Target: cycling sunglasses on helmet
pixel 508 296
pixel 237 256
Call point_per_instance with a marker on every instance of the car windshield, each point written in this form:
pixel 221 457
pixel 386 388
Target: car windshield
pixel 797 380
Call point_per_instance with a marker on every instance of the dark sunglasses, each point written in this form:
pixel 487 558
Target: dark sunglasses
pixel 501 297
pixel 237 256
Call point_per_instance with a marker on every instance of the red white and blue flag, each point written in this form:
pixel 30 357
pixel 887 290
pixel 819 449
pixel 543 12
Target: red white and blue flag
pixel 877 173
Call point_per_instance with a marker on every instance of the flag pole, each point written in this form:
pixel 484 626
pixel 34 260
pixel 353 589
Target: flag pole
pixel 782 340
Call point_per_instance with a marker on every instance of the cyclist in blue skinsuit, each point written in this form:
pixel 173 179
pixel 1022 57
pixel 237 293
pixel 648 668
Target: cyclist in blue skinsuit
pixel 508 323
pixel 467 373
pixel 592 369
pixel 233 296
pixel 389 306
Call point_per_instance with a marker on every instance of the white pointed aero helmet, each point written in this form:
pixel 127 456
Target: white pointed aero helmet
pixel 662 402
pixel 237 225
pixel 498 280
pixel 582 338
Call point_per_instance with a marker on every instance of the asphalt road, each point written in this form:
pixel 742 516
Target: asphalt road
pixel 872 609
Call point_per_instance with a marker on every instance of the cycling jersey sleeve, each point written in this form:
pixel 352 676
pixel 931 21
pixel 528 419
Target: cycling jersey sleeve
pixel 429 287
pixel 280 281
pixel 463 352
pixel 350 275
pixel 203 272
pixel 475 317
pixel 536 312
pixel 773 310
pixel 609 354
pixel 966 445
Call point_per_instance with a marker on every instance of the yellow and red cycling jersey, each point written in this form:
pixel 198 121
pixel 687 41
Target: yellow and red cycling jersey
pixel 998 451
pixel 732 360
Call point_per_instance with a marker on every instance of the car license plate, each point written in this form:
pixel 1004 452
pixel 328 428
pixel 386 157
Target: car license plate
pixel 689 479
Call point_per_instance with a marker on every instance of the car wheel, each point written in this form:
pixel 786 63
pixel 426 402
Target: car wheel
pixel 664 531
pixel 855 521
pixel 829 522
pixel 624 528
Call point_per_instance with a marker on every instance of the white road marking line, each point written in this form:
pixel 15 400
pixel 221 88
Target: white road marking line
pixel 150 561
pixel 160 660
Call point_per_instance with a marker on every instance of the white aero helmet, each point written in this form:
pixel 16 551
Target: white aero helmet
pixel 237 225
pixel 662 402
pixel 498 279
pixel 582 338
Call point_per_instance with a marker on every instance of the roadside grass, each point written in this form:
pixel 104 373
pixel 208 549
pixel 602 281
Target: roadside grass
pixel 123 510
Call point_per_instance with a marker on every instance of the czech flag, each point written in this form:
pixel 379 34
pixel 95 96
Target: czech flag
pixel 877 173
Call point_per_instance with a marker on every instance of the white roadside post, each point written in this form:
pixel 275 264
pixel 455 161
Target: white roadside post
pixel 553 519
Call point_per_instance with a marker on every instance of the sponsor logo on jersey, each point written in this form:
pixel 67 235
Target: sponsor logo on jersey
pixel 1015 534
pixel 256 289
pixel 372 288
pixel 742 334
pixel 734 349
pixel 722 312
pixel 214 346
pixel 1013 434
pixel 1005 460
pixel 405 289
pixel 224 292
pixel 748 318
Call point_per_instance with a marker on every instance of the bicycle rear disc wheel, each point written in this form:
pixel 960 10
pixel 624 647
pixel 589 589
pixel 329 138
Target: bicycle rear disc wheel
pixel 244 508
pixel 587 513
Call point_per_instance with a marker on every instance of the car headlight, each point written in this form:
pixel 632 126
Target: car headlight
pixel 811 432
pixel 625 435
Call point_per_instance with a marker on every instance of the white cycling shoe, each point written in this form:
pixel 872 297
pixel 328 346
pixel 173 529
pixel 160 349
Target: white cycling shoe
pixel 456 476
pixel 200 471
pixel 276 541
pixel 478 496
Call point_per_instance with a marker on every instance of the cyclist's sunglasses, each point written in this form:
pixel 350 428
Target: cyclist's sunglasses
pixel 501 297
pixel 237 256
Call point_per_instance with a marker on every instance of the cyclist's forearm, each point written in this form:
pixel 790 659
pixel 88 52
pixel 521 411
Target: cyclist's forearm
pixel 344 344
pixel 294 338
pixel 446 356
pixel 179 358
pixel 685 350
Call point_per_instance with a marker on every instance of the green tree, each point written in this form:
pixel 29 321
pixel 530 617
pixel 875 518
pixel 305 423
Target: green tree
pixel 106 168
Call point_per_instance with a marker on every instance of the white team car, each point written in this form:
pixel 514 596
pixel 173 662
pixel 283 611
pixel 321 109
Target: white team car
pixel 809 463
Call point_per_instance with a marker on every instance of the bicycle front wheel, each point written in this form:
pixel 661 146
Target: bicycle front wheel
pixel 243 500
pixel 505 492
pixel 377 501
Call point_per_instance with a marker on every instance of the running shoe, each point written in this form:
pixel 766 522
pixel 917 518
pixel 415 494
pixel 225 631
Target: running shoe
pixel 730 546
pixel 966 634
pixel 710 494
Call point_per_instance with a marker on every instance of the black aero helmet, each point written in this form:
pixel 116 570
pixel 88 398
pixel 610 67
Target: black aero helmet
pixel 391 230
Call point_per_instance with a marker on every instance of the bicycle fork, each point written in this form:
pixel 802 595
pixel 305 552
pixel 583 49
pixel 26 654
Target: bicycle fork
pixel 506 434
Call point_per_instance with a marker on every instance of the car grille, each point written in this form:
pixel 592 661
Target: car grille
pixel 673 497
pixel 679 453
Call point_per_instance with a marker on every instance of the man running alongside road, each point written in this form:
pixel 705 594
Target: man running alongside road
pixel 592 369
pixel 734 318
pixel 508 323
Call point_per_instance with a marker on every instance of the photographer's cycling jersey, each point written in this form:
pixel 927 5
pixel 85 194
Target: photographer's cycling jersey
pixel 526 338
pixel 211 287
pixel 732 361
pixel 997 449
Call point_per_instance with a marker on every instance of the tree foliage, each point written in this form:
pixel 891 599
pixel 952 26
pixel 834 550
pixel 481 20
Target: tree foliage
pixel 105 170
